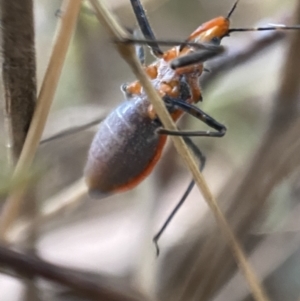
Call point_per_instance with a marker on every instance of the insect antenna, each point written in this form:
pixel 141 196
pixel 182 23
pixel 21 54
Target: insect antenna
pixel 262 28
pixel 232 9
pixel 266 28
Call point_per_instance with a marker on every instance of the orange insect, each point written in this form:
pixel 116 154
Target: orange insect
pixel 130 141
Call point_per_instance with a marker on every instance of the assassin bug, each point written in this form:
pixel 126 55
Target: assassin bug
pixel 131 139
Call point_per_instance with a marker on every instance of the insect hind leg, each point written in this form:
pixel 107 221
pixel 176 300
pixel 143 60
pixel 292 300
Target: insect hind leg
pixel 196 151
pixel 179 104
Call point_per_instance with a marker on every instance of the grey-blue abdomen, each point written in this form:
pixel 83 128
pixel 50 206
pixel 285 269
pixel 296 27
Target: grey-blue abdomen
pixel 123 148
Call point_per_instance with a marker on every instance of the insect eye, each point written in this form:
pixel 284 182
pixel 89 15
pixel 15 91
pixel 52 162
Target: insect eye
pixel 216 41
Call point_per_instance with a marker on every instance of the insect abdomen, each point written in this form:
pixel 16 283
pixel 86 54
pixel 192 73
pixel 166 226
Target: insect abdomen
pixel 124 150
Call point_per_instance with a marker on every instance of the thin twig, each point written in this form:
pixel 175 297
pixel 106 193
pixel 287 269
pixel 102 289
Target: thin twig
pixel 128 53
pixel 94 289
pixel 68 22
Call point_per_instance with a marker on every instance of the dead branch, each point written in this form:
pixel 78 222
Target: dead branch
pixel 68 22
pixel 18 71
pixel 29 266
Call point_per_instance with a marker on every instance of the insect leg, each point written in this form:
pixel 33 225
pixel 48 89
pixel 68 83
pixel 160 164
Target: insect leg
pixel 145 26
pixel 72 130
pixel 199 114
pixel 139 48
pixel 140 53
pixel 173 42
pixel 201 158
pixel 197 57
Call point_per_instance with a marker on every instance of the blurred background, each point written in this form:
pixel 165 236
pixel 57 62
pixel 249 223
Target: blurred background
pixel 114 235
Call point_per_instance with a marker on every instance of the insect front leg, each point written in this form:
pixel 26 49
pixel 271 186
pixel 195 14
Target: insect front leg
pixel 197 57
pixel 145 27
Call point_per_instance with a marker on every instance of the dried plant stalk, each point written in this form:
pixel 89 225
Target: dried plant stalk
pixel 19 81
pixel 18 72
pixel 68 22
